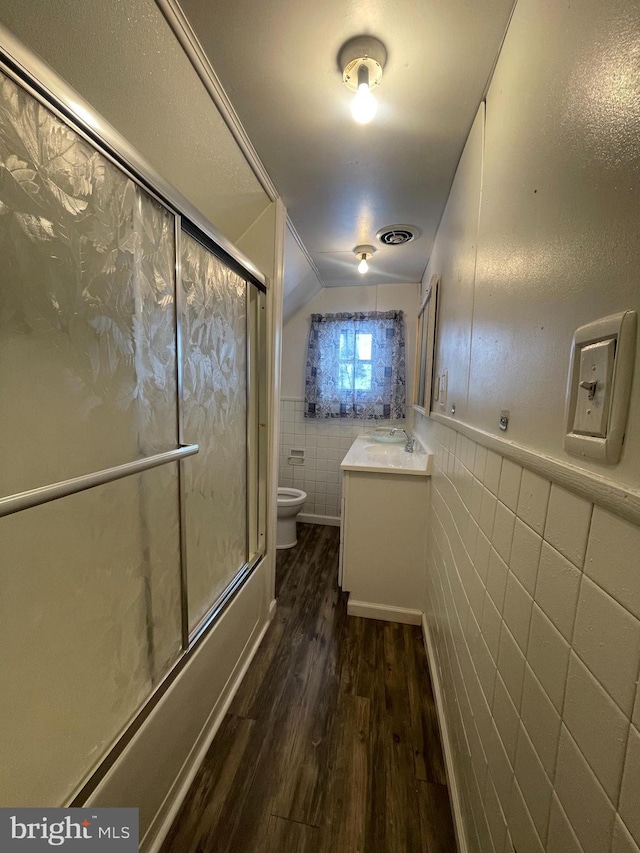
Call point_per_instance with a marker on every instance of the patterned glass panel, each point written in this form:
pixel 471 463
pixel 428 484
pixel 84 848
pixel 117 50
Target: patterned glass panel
pixel 89 622
pixel 87 327
pixel 215 416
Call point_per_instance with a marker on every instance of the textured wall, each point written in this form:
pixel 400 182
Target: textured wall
pixel 557 238
pixel 122 57
pixel 534 592
pixel 454 261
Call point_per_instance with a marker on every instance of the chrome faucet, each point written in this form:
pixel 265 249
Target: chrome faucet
pixel 408 448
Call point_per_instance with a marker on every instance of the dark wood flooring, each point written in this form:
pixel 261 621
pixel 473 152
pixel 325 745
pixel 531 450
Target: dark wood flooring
pixel 331 744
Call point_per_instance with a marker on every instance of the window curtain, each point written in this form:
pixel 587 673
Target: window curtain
pixel 356 366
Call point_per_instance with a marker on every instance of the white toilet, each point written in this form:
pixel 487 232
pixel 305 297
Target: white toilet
pixel 290 503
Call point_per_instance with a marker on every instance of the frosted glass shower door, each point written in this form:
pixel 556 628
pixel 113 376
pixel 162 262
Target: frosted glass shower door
pixel 214 357
pixel 89 583
pixel 87 344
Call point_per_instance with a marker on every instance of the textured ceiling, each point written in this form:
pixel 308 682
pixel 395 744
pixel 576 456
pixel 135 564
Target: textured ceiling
pixel 341 182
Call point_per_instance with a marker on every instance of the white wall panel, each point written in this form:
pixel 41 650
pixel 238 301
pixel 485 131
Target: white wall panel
pixel 559 221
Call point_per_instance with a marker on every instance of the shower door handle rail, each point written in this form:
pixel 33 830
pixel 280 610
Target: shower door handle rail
pixel 44 494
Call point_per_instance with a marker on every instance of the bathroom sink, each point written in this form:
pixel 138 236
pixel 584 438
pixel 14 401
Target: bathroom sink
pixel 372 457
pixel 383 449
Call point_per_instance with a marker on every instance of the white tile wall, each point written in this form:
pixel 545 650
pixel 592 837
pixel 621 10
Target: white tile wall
pixel 525 555
pixel 568 522
pixel 561 838
pixel 510 477
pixel 541 720
pixel 325 444
pixel 588 709
pixel 503 528
pixel 607 638
pixel 533 781
pixel 533 500
pixel 548 655
pixel 629 807
pixel 517 611
pixel 557 589
pixel 583 799
pixel 534 599
pixel 506 718
pixel 611 540
pixel 622 840
pixel 522 828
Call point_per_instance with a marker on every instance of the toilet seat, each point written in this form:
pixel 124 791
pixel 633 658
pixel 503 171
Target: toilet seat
pixel 290 497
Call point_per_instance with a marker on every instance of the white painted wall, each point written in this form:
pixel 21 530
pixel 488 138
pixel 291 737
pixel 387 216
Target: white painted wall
pixel 454 260
pixel 301 282
pixel 557 241
pixel 533 610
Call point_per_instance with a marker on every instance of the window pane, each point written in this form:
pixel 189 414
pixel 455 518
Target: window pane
pixel 346 345
pixel 363 377
pixel 215 417
pixel 345 376
pixel 363 343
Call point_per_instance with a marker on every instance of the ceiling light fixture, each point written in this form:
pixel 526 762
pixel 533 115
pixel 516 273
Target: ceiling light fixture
pixel 363 253
pixel 362 60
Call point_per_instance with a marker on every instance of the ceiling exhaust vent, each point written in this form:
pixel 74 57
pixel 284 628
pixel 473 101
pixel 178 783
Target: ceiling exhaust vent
pixel 397 235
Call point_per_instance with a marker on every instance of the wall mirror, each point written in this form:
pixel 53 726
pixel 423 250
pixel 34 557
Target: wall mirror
pixel 425 348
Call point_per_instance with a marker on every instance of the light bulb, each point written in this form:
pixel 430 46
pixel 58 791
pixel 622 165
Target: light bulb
pixel 363 106
pixel 363 266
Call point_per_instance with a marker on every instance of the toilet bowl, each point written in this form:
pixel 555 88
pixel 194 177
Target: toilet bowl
pixel 290 503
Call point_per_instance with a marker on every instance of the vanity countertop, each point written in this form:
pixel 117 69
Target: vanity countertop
pixel 365 454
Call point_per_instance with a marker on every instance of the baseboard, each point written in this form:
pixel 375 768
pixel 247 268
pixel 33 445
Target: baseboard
pixel 272 609
pixel 311 518
pixel 158 830
pixel 384 612
pixel 452 781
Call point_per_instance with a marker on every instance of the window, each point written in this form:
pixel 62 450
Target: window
pixel 356 366
pixel 355 361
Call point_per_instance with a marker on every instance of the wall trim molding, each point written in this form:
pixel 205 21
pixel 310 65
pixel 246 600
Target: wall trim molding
pixel 368 610
pixel 612 496
pixel 452 781
pixel 304 250
pixel 196 54
pixel 312 518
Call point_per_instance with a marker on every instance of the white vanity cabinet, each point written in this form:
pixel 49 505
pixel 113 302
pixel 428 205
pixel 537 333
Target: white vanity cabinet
pixel 383 535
